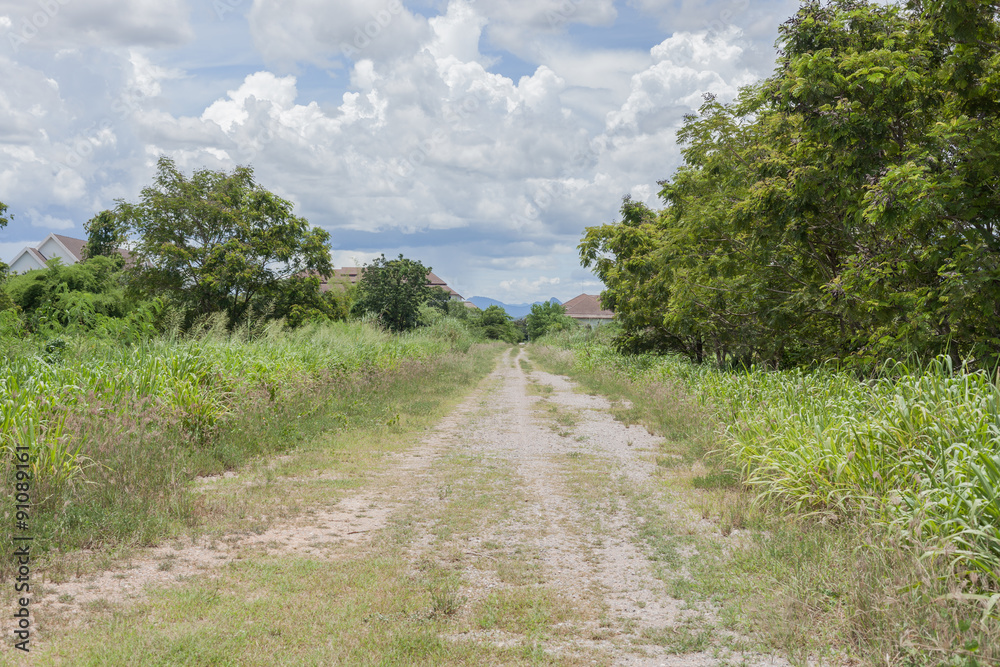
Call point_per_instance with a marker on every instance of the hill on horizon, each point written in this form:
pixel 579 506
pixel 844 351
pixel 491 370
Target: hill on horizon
pixel 515 310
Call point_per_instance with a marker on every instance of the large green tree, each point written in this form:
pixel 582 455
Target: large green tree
pixel 392 290
pixel 218 240
pixel 845 206
pixel 547 317
pixel 495 324
pixel 106 234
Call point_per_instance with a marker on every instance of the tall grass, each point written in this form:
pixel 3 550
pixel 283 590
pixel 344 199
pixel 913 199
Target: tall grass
pixel 916 449
pixel 114 430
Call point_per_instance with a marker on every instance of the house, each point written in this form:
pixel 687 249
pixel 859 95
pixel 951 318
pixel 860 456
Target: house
pixel 352 274
pixel 66 248
pixel 586 309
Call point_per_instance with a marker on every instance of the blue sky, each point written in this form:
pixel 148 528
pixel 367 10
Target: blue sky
pixel 478 136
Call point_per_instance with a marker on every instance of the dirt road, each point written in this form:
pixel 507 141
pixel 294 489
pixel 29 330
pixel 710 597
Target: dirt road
pixel 557 481
pixel 528 526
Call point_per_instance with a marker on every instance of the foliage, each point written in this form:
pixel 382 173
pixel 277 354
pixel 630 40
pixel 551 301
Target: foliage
pixel 218 241
pixel 495 324
pixel 105 235
pixel 117 428
pixel 6 303
pixel 546 318
pixel 845 207
pixel 83 296
pixel 441 300
pixel 914 449
pixel 299 300
pixel 392 291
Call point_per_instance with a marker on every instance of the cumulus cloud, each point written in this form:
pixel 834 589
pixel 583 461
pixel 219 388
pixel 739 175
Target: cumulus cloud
pixel 686 66
pixel 145 77
pixel 48 222
pixel 424 148
pixel 318 32
pixel 67 24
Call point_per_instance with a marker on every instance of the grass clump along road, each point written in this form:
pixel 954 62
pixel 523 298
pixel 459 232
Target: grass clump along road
pixel 867 509
pixel 117 432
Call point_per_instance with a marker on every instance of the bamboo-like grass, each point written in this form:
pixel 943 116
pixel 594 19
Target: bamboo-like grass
pixel 112 422
pixel 915 448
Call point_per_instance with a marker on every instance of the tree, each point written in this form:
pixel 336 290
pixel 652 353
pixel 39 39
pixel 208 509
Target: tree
pixel 106 233
pixel 393 291
pixel 847 206
pixel 300 300
pixel 546 318
pixel 5 300
pixel 496 324
pixel 218 240
pixel 79 295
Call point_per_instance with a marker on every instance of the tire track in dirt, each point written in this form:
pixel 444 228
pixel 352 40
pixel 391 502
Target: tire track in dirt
pixel 590 553
pixel 560 507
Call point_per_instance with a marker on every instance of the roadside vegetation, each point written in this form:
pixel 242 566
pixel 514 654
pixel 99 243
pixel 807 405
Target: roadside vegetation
pixel 116 432
pixel 209 343
pixel 871 504
pixel 819 291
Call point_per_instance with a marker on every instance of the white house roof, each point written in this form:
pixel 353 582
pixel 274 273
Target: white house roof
pixel 71 245
pixel 30 257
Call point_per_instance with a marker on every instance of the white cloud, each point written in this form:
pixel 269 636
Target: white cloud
pixel 422 149
pixel 48 222
pixel 145 77
pixel 686 66
pixel 457 33
pixel 263 87
pixel 54 24
pixel 316 32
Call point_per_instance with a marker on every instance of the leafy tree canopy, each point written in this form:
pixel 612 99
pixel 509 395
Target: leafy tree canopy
pixel 546 318
pixel 494 323
pixel 846 207
pixel 218 240
pixel 300 301
pixel 82 295
pixel 106 234
pixel 393 291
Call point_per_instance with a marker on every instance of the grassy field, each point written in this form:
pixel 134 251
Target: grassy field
pixel 116 432
pixel 867 510
pixel 272 606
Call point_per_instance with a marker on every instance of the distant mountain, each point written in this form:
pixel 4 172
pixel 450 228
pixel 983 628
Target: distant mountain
pixel 515 310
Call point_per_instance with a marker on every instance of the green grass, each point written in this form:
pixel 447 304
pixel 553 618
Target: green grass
pixel 378 603
pixel 914 449
pixel 284 611
pixel 117 432
pixel 841 551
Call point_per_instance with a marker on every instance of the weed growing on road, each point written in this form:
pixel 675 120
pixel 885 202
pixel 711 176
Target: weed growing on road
pixel 821 585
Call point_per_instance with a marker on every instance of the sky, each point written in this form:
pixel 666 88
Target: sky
pixel 478 136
